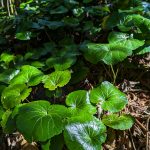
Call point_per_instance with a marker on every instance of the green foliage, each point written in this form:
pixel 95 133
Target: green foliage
pixel 122 122
pixel 29 75
pixel 41 120
pixel 56 79
pixel 59 48
pixel 83 136
pixel 109 97
pixel 14 94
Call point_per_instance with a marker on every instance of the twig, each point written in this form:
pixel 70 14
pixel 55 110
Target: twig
pixel 141 125
pixel 147 135
pixel 132 142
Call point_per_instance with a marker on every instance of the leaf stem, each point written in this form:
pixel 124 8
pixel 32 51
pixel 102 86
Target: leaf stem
pixel 114 74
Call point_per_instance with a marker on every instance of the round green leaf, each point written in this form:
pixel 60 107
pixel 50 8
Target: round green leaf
pixel 56 79
pixel 109 53
pixel 7 57
pixel 122 122
pixel 14 94
pixel 85 136
pixel 24 35
pixel 125 39
pixel 39 121
pixel 117 52
pixel 29 75
pixel 78 102
pixel 109 97
pixel 94 52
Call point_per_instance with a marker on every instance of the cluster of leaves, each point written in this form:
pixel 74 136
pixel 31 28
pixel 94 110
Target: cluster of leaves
pixel 47 50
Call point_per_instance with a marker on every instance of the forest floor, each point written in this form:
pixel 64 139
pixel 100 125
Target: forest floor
pixel 137 138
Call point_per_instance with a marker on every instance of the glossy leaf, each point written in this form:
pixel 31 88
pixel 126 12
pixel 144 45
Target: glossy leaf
pixel 5 57
pixel 85 136
pixel 122 122
pixel 144 50
pixel 7 75
pixel 125 39
pixel 41 120
pixel 109 97
pixel 109 53
pixel 24 35
pixel 14 94
pixel 78 102
pixel 56 79
pixel 29 75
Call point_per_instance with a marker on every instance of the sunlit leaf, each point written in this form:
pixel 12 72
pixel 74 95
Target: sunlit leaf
pixel 85 136
pixel 115 121
pixel 78 102
pixel 29 75
pixel 14 94
pixel 41 120
pixel 109 97
pixel 56 79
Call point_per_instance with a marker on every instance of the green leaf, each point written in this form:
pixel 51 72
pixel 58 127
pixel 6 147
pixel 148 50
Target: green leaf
pixel 57 142
pixel 109 53
pixel 139 21
pixel 41 120
pixel 61 63
pixel 7 57
pixel 24 35
pixel 125 39
pixel 122 122
pixel 109 97
pixel 144 51
pixel 85 136
pixel 56 79
pixel 8 123
pixel 14 94
pixel 59 10
pixel 78 102
pixel 1 112
pixel 7 75
pixel 29 75
pixel 94 52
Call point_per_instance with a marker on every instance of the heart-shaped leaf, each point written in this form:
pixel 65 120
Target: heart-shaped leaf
pixel 14 94
pixel 56 79
pixel 109 97
pixel 109 53
pixel 41 120
pixel 122 122
pixel 29 75
pixel 126 40
pixel 78 102
pixel 85 136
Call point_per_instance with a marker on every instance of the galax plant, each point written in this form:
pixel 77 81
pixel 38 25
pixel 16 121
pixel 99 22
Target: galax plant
pixel 48 49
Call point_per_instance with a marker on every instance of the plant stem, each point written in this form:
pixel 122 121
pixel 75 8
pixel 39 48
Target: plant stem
pixel 114 74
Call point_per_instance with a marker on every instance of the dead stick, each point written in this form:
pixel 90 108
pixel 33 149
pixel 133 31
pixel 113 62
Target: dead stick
pixel 141 125
pixel 147 135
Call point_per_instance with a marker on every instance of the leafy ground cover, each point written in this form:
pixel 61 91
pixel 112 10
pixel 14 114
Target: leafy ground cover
pixel 75 74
